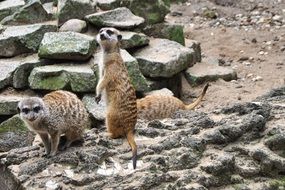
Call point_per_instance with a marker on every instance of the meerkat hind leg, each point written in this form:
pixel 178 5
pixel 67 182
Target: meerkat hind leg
pixel 71 137
pixel 54 143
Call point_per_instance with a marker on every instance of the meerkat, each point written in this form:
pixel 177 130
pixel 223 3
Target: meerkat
pixel 163 106
pixel 59 112
pixel 114 83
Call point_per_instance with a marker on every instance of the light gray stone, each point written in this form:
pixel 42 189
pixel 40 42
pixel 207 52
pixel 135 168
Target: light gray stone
pixel 163 91
pixel 70 9
pixel 164 58
pixel 195 45
pixel 31 13
pixel 67 46
pixel 133 40
pixel 74 77
pixel 203 72
pixel 97 111
pixel 15 40
pixel 8 7
pixel 121 18
pixel 108 4
pixel 74 25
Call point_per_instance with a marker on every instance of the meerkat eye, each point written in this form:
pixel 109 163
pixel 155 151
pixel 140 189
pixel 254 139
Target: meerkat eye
pixel 110 32
pixel 25 110
pixel 36 109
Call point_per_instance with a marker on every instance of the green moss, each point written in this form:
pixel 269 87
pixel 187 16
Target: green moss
pixel 277 183
pixel 175 33
pixel 13 124
pixel 49 82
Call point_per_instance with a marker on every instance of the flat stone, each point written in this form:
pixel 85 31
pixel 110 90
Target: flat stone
pixel 70 9
pixel 203 72
pixel 15 40
pixel 163 91
pixel 31 13
pixel 97 111
pixel 133 40
pixel 9 100
pixel 8 7
pixel 74 77
pixel 152 11
pixel 67 46
pixel 74 25
pixel 137 79
pixel 164 58
pixel 50 9
pixel 121 18
pixel 169 31
pixel 108 4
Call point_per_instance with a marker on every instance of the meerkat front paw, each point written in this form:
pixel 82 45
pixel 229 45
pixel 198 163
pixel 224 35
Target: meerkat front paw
pixel 98 98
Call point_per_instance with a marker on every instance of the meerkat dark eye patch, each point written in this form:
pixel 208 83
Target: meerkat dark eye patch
pixel 26 110
pixel 109 32
pixel 36 109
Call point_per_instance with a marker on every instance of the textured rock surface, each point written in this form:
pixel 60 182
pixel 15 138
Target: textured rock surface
pixel 74 25
pixel 108 4
pixel 8 7
pixel 196 46
pixel 164 58
pixel 133 40
pixel 31 13
pixel 70 9
pixel 203 72
pixel 119 18
pixel 165 30
pixel 67 45
pixel 173 153
pixel 15 40
pixel 75 77
pixel 152 11
pixel 137 79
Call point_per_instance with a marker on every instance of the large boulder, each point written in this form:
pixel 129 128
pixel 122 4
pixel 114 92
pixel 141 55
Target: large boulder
pixel 8 7
pixel 31 13
pixel 152 11
pixel 164 58
pixel 15 40
pixel 172 32
pixel 137 79
pixel 204 72
pixel 133 40
pixel 67 45
pixel 70 9
pixel 119 18
pixel 74 77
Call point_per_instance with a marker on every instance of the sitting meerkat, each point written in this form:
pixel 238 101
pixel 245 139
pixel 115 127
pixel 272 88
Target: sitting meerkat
pixel 59 112
pixel 118 91
pixel 163 106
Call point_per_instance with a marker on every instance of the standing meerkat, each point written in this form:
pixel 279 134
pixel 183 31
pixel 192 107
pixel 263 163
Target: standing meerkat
pixel 163 106
pixel 118 91
pixel 59 112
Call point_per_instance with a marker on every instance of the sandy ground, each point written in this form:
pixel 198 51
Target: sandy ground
pixel 254 51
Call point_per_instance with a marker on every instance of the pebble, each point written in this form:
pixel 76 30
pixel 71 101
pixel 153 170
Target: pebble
pixel 246 63
pixel 51 185
pixel 258 78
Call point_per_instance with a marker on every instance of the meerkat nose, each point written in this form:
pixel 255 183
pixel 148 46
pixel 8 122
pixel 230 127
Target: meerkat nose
pixel 102 37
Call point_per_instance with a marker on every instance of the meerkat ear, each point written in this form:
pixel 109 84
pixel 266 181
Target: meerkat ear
pixel 119 37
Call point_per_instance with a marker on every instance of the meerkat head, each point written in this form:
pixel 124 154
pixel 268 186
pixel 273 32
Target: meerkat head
pixel 31 109
pixel 109 39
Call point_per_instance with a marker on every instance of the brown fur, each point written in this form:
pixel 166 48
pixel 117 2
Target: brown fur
pixel 59 112
pixel 159 106
pixel 119 93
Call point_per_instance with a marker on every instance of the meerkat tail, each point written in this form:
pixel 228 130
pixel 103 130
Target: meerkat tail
pixel 132 143
pixel 199 99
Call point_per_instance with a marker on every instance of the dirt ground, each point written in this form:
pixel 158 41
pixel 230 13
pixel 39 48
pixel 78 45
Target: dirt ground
pixel 248 36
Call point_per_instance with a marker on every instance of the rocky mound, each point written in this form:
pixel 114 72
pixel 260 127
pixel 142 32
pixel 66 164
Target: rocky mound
pixel 238 147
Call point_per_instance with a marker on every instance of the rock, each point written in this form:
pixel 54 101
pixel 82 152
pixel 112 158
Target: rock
pixel 152 11
pixel 172 32
pixel 50 9
pixel 74 25
pixel 133 40
pixel 108 4
pixel 246 167
pixel 31 13
pixel 204 72
pixel 10 99
pixel 97 111
pixel 77 78
pixel 67 46
pixel 8 7
pixel 16 40
pixel 137 79
pixel 163 58
pixel 70 9
pixel 163 91
pixel 192 44
pixel 121 18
